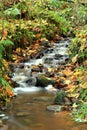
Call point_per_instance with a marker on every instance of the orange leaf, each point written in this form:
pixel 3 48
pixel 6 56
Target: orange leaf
pixel 5 33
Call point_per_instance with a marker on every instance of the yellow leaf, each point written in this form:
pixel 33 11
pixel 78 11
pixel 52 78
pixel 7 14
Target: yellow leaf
pixel 67 82
pixel 74 105
pixel 49 69
pixel 74 59
pixel 77 73
pixel 67 72
pixel 6 77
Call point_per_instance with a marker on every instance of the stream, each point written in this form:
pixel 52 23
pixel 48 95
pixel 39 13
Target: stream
pixel 28 111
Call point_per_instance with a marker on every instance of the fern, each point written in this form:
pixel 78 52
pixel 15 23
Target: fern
pixel 12 12
pixel 3 82
pixel 6 42
pixel 6 48
pixel 1 50
pixel 61 20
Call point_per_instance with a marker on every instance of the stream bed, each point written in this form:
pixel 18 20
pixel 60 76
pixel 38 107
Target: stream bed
pixel 28 111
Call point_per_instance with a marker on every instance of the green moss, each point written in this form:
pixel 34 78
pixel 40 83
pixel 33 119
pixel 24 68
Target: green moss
pixel 59 98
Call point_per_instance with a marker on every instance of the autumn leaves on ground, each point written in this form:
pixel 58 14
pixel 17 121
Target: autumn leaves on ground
pixel 25 24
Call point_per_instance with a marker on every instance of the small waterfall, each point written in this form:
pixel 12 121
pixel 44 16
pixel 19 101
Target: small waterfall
pixel 56 56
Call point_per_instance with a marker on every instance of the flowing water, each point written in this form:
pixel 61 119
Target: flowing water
pixel 28 110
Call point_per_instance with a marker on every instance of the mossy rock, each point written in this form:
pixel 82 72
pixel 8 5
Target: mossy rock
pixel 44 43
pixel 60 98
pixel 43 81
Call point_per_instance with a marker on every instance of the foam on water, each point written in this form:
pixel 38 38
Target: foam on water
pixel 27 89
pixel 34 89
pixel 35 62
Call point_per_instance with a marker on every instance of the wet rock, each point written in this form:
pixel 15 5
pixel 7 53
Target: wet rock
pixel 58 56
pixel 67 101
pixel 26 58
pixel 44 98
pixel 11 66
pixel 61 75
pixel 45 43
pixel 31 81
pixel 35 74
pixel 14 84
pixel 41 66
pixel 59 98
pixel 61 62
pixel 62 99
pixel 50 50
pixel 23 113
pixel 27 122
pixel 55 108
pixel 39 55
pixel 43 81
pixel 48 60
pixel 3 117
pixel 1 123
pixel 35 68
pixel 21 66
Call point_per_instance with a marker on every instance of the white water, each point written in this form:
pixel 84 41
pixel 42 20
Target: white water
pixel 21 75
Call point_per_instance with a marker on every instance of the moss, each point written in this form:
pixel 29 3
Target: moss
pixel 59 98
pixel 44 81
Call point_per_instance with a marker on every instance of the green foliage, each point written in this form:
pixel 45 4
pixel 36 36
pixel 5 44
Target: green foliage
pixel 23 5
pixel 54 2
pixel 6 42
pixel 78 45
pixel 80 16
pixel 6 48
pixel 22 32
pixel 82 94
pixel 3 82
pixel 1 50
pixel 12 12
pixel 60 21
pixel 80 112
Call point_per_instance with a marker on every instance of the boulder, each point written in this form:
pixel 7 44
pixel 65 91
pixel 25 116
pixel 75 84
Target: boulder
pixel 43 81
pixel 58 56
